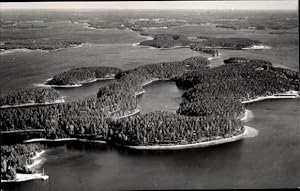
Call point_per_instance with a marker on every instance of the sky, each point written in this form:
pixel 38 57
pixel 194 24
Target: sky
pixel 168 5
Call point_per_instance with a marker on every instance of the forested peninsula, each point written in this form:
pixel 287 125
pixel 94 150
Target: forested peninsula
pixel 210 112
pixel 83 75
pixel 213 100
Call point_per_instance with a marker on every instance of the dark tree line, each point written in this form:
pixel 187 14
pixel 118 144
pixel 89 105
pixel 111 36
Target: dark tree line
pixel 32 95
pixel 232 43
pixel 59 120
pixel 166 41
pixel 34 44
pixel 213 52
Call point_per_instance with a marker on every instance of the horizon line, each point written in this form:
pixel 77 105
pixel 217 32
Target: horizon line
pixel 154 5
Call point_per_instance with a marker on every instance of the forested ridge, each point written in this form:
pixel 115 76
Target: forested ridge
pixel 31 95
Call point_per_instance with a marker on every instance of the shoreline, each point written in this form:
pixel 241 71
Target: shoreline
pixel 258 47
pixel 34 104
pixel 35 162
pixel 194 145
pixel 22 50
pixel 73 85
pixel 136 111
pixel 23 131
pixel 284 95
pixel 28 50
pixel 248 132
pixel 22 177
pixel 62 140
pixel 139 93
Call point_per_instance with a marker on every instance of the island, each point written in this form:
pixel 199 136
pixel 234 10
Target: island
pixel 167 41
pixel 38 44
pixel 211 111
pixel 224 43
pixel 78 76
pixel 204 44
pixel 30 97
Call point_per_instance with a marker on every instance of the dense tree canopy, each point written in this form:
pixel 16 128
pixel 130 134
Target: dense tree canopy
pixel 15 158
pixel 31 95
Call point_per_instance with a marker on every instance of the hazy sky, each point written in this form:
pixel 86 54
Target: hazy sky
pixel 245 5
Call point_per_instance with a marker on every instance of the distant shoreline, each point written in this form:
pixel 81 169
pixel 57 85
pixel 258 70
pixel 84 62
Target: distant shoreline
pixel 285 95
pixel 73 85
pixel 136 111
pixel 21 50
pixel 62 140
pixel 28 50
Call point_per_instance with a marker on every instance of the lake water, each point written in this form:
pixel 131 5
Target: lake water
pixel 269 160
pixel 160 95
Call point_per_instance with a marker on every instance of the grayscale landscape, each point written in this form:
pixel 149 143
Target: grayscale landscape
pixel 100 97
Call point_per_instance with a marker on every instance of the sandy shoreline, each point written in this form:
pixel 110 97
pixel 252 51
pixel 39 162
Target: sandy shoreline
pixel 22 50
pixel 257 47
pixel 62 140
pixel 136 111
pixel 193 145
pixel 23 131
pixel 20 177
pixel 139 93
pixel 285 95
pixel 73 85
pixel 34 104
pixel 27 50
pixel 248 132
pixel 26 177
